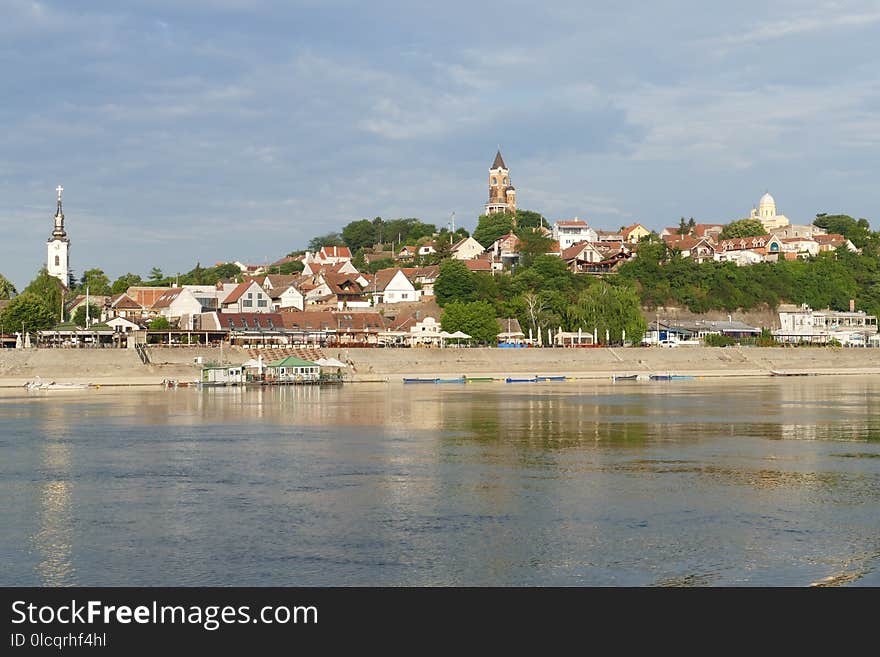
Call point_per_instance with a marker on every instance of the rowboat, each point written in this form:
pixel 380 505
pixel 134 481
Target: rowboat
pixel 458 380
pixel 512 380
pixel 550 378
pixel 625 377
pixel 478 379
pixel 670 377
pixel 406 380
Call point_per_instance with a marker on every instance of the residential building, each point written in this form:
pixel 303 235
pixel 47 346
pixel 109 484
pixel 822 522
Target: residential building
pixel 178 304
pixel 633 233
pixel 467 249
pixel 568 233
pixel 391 286
pixel 247 297
pixel 505 251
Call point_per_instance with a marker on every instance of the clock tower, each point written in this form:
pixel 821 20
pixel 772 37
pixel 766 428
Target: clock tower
pixel 57 262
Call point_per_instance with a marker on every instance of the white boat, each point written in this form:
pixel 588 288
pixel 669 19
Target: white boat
pixel 52 385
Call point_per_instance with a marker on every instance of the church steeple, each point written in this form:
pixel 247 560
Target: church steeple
pixel 499 161
pixel 58 232
pixel 57 261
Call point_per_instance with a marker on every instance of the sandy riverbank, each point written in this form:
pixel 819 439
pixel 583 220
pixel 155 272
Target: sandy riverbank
pixel 110 367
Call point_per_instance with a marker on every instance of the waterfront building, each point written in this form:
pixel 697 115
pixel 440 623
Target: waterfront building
pixel 58 246
pixel 803 324
pixel 502 194
pixel 293 370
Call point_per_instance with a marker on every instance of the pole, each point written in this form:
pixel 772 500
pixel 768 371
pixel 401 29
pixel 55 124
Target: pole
pixel 87 307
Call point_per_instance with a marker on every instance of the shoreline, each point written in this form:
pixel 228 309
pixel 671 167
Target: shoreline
pixel 119 368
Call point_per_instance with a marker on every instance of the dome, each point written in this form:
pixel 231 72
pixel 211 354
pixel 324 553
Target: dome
pixel 767 200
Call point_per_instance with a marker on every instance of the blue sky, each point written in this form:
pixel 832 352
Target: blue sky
pixel 238 129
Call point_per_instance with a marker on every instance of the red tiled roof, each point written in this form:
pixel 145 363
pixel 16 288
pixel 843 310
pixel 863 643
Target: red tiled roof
pixel 335 252
pixel 479 264
pixel 236 294
pixel 167 298
pixel 242 321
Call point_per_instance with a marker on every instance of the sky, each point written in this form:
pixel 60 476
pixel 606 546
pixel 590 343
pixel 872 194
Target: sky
pixel 208 132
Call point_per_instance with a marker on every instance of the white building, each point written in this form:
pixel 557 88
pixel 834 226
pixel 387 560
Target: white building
pixel 58 247
pixel 571 232
pixel 392 286
pixel 766 213
pixel 803 324
pixel 247 297
pixel 467 249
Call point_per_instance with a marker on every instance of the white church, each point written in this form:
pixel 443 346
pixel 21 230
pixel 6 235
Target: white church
pixel 58 257
pixel 767 215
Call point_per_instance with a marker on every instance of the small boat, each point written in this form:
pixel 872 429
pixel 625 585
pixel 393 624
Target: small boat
pixel 458 380
pixel 550 378
pixel 478 379
pixel 52 385
pixel 625 377
pixel 670 377
pixel 781 373
pixel 406 380
pixel 512 380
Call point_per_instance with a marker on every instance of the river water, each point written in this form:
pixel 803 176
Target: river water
pixel 743 481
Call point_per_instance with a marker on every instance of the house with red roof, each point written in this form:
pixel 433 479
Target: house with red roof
pixel 247 297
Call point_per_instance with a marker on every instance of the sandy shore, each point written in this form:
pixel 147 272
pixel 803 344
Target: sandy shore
pixel 108 367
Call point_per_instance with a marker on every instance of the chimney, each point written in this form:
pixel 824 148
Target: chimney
pixel 852 305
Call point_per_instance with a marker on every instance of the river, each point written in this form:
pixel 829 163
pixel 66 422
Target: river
pixel 750 481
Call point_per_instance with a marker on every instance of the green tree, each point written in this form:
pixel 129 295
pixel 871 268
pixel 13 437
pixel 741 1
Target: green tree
pixel 857 231
pixel 156 275
pixel 291 267
pixel 96 281
pixel 27 312
pixel 454 283
pixel 743 228
pixel 359 234
pixel 121 284
pixel 476 318
pixel 530 219
pixel 491 227
pixel 532 243
pixel 49 290
pixel 330 239
pixel 545 272
pixel 159 324
pixel 603 307
pixel 79 315
pixel 7 289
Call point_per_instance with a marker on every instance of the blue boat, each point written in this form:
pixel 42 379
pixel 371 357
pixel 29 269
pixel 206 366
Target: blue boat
pixel 550 378
pixel 458 380
pixel 405 380
pixel 670 377
pixel 512 380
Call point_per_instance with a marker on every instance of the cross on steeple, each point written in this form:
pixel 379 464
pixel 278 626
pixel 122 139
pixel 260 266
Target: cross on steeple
pixel 59 189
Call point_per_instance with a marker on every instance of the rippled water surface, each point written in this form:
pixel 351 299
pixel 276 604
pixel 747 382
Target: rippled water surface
pixel 739 482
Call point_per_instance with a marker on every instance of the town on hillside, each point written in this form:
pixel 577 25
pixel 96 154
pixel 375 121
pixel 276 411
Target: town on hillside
pixel 518 281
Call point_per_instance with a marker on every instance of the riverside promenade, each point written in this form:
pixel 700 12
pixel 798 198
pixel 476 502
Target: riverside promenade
pixel 122 367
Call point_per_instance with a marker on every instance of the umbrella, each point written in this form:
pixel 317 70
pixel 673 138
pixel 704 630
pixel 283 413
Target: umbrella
pixel 27 340
pixel 18 340
pixel 460 334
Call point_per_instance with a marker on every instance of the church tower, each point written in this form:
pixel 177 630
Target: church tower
pixel 57 262
pixel 502 194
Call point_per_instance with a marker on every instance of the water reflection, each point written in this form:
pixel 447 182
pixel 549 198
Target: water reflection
pixel 54 539
pixel 691 484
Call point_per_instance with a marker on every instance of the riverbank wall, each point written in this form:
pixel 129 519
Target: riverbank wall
pixel 124 367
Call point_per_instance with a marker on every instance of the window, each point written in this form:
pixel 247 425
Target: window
pixel 494 180
pixel 261 303
pixel 57 261
pixel 250 295
pixel 247 303
pixel 269 322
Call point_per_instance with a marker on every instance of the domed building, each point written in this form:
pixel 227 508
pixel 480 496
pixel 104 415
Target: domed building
pixel 766 213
